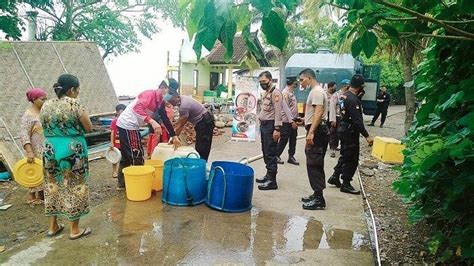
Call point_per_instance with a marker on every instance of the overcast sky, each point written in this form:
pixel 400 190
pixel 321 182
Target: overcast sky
pixel 135 72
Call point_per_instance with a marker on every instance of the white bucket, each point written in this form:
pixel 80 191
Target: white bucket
pixel 164 151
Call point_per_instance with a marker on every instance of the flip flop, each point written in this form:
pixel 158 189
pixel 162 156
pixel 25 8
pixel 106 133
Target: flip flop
pixel 31 201
pixel 38 202
pixel 87 231
pixel 115 176
pixel 60 229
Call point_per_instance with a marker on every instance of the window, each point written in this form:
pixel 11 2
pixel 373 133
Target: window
pixel 195 79
pixel 221 78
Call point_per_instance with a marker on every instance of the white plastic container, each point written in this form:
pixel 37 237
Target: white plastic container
pixel 164 151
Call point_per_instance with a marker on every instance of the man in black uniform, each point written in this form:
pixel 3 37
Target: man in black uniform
pixel 383 100
pixel 351 126
pixel 270 125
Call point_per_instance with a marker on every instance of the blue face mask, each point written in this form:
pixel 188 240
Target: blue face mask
pixel 168 97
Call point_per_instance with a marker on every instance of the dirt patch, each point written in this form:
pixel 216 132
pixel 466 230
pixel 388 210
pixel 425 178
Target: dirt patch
pixel 399 241
pixel 22 221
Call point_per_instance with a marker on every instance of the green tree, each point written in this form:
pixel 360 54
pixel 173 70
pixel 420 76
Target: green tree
pixel 209 21
pixel 436 177
pixel 114 25
pixel 10 24
pixel 311 35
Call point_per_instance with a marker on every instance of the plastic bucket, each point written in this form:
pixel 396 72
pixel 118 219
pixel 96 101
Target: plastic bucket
pixel 184 182
pixel 157 184
pixel 230 187
pixel 138 180
pixel 164 152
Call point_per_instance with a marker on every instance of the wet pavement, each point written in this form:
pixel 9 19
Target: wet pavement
pixel 276 230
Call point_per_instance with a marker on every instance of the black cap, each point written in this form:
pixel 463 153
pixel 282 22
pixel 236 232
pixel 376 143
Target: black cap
pixel 357 81
pixel 290 80
pixel 120 107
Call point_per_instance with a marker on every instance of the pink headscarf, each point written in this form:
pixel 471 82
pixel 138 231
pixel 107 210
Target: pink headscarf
pixel 34 94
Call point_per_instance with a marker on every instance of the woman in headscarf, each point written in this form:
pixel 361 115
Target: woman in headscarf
pixel 65 158
pixel 31 136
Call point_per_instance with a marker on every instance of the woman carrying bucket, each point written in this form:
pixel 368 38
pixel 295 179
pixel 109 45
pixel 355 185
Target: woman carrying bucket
pixel 32 138
pixel 147 108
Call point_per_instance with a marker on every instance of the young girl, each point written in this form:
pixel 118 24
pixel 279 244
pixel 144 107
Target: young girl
pixel 32 137
pixel 114 137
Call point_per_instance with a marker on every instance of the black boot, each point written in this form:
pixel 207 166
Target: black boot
pixel 279 161
pixel 271 183
pixel 334 180
pixel 292 160
pixel 348 188
pixel 308 198
pixel 318 203
pixel 371 124
pixel 262 179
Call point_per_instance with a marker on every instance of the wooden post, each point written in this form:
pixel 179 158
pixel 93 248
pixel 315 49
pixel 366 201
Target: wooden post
pixel 229 82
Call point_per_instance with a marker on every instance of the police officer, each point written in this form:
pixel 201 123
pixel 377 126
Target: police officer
pixel 289 130
pixel 383 100
pixel 317 139
pixel 270 125
pixel 351 126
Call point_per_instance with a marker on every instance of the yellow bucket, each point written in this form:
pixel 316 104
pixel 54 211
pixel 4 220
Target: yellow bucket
pixel 157 184
pixel 138 180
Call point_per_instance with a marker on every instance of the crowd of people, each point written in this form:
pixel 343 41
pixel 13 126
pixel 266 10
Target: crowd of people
pixel 331 117
pixel 55 129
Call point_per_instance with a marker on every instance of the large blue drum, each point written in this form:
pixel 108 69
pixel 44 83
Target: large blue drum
pixel 184 181
pixel 230 187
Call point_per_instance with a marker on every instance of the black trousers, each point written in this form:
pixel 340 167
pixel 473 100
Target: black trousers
pixel 204 133
pixel 315 158
pixel 349 159
pixel 333 136
pixel 288 133
pixel 269 148
pixel 380 110
pixel 132 151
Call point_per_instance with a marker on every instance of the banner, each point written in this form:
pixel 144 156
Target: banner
pixel 244 126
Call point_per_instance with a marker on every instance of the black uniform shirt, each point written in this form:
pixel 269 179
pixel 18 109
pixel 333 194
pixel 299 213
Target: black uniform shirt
pixel 386 99
pixel 352 113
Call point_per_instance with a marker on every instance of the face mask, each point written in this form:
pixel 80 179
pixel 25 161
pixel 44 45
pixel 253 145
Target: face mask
pixel 265 86
pixel 168 97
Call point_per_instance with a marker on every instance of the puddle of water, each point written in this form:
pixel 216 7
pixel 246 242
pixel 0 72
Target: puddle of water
pixel 32 254
pixel 152 233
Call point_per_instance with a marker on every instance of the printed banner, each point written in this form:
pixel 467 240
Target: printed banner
pixel 244 126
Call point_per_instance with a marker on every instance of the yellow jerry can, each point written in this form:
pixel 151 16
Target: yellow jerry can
pixel 388 150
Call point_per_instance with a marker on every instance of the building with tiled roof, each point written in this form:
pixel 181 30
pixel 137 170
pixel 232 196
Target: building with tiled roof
pixel 213 69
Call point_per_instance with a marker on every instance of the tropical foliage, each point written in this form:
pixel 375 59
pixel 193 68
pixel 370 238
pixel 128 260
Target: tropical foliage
pixel 114 25
pixel 436 176
pixel 210 20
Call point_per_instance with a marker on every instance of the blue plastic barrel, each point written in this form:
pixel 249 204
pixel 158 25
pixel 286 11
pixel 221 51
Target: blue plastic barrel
pixel 184 181
pixel 230 187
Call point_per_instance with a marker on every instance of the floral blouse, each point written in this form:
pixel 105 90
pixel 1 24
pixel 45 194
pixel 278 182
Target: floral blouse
pixel 31 132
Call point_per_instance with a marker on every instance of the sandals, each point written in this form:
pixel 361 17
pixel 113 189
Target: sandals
pixel 60 229
pixel 87 231
pixel 115 175
pixel 34 202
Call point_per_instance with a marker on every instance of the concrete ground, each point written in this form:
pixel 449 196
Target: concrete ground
pixel 277 230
